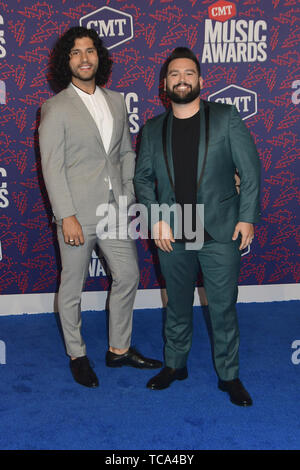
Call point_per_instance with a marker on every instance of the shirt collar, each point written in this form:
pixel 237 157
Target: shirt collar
pixel 84 93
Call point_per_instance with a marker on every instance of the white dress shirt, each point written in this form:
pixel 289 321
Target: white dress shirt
pixel 100 112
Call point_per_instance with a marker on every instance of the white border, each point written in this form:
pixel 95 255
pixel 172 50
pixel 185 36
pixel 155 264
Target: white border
pixel 146 298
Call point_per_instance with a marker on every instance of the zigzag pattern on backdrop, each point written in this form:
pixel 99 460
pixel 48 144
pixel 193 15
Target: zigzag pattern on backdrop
pixel 29 253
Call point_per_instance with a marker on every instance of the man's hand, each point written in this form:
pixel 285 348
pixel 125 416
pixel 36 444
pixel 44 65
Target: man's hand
pixel 163 236
pixel 72 231
pixel 247 232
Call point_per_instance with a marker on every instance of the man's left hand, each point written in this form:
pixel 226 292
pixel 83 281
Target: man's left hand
pixel 247 232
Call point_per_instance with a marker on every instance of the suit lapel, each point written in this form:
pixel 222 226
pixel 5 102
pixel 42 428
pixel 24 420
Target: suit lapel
pixel 168 148
pixel 203 143
pixel 114 112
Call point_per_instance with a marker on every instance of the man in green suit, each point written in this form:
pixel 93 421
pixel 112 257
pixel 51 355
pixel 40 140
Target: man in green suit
pixel 189 156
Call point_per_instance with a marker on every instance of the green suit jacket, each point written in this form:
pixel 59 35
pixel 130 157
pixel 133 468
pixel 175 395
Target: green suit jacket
pixel 229 147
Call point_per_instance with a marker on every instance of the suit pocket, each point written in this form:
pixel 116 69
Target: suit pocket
pixel 229 195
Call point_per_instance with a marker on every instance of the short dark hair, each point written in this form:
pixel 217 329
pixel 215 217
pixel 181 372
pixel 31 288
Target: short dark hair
pixel 182 53
pixel 60 56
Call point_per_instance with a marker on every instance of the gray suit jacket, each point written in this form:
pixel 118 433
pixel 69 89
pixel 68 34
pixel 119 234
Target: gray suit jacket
pixel 75 164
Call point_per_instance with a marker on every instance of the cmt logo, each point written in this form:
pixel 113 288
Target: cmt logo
pixel 222 11
pixel 114 26
pixel 244 100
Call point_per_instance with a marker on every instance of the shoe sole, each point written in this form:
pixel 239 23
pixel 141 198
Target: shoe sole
pixel 87 386
pixel 163 388
pixel 132 365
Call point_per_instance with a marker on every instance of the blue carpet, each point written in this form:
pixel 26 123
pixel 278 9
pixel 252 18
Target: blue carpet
pixel 42 407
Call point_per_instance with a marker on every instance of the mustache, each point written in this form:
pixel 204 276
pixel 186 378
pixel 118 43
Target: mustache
pixel 180 84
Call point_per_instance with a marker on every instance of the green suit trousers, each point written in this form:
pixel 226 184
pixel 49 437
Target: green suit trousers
pixel 220 265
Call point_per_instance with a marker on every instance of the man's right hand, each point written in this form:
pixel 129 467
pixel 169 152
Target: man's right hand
pixel 163 236
pixel 72 231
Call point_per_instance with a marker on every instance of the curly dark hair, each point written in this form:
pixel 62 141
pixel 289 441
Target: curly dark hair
pixel 59 62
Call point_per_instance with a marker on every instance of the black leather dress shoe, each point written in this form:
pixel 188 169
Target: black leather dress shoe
pixel 166 376
pixel 238 394
pixel 131 358
pixel 83 373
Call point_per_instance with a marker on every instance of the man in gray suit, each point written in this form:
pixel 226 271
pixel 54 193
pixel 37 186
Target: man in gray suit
pixel 87 160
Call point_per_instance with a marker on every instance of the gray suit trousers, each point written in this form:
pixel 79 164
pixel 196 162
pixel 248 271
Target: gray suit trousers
pixel 122 261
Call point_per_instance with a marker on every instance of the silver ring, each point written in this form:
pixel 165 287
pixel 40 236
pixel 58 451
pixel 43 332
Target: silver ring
pixel 71 241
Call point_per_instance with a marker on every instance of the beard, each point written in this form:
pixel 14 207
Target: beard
pixel 83 76
pixel 188 97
